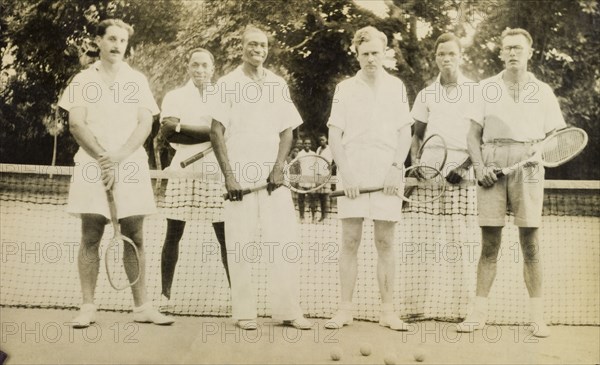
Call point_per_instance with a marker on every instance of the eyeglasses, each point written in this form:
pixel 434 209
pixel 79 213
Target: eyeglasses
pixel 517 49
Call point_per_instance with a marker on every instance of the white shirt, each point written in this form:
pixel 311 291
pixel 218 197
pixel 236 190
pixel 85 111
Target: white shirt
pixel 112 110
pixel 534 113
pixel 444 110
pixel 325 153
pixel 253 116
pixel 368 117
pixel 189 106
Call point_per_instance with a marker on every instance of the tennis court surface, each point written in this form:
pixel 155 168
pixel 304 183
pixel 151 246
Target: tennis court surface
pixel 437 252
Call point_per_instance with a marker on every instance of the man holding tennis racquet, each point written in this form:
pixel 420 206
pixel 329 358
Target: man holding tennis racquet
pixel 440 109
pixel 110 109
pixel 513 111
pixel 186 124
pixel 252 106
pixel 369 134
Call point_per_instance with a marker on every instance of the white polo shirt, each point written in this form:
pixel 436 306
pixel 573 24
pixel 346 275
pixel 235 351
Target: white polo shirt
pixel 367 117
pixel 189 106
pixel 444 110
pixel 529 116
pixel 112 110
pixel 253 115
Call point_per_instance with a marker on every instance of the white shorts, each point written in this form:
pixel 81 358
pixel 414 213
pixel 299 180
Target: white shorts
pixel 132 190
pixel 370 165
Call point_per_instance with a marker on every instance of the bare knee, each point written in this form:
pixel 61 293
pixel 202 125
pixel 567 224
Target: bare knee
pixel 491 240
pixel 133 228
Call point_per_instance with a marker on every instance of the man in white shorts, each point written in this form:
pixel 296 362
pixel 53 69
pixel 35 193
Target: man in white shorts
pixel 186 124
pixel 369 134
pixel 110 109
pixel 253 120
pixel 513 110
pixel 440 108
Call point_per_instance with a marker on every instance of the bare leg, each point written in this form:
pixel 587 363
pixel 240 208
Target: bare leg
pixel 491 237
pixel 384 240
pixel 88 258
pixel 170 254
pixel 132 227
pixel 351 237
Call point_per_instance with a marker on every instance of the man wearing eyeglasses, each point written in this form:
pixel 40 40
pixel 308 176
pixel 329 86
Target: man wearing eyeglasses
pixel 512 112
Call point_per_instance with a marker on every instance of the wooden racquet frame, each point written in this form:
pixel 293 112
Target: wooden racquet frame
pixel 119 239
pixel 287 180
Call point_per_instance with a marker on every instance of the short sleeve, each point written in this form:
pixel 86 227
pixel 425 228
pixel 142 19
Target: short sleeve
pixel 169 106
pixel 420 111
pixel 554 118
pixel 337 117
pixel 290 117
pixel 404 117
pixel 146 99
pixel 219 106
pixel 476 109
pixel 72 96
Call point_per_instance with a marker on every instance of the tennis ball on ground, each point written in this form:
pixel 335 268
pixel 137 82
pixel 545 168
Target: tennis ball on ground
pixel 336 354
pixel 390 359
pixel 366 349
pixel 419 355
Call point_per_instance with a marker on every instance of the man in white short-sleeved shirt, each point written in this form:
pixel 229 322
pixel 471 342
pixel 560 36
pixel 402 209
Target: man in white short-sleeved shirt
pixel 441 107
pixel 513 111
pixel 369 135
pixel 253 106
pixel 185 123
pixel 110 109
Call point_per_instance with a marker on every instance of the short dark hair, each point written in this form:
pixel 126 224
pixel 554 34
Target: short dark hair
pixel 253 29
pixel 517 31
pixel 447 37
pixel 103 25
pixel 199 50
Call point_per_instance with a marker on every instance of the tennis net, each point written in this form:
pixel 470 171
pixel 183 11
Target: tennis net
pixel 437 249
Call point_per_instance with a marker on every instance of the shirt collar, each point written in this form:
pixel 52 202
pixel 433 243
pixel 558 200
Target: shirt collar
pixel 460 78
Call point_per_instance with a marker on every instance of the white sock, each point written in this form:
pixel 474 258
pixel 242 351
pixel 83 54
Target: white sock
pixel 143 307
pixel 536 307
pixel 480 305
pixel 387 307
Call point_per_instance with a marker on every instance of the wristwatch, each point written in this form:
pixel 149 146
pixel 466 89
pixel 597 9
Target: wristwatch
pixel 178 127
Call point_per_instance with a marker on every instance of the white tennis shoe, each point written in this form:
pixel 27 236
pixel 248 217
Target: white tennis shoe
pixel 86 316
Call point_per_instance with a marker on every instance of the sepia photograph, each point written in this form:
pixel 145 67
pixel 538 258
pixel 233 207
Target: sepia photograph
pixel 299 182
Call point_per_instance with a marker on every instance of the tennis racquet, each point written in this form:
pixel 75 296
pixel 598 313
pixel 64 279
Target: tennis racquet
pixel 190 160
pixel 118 277
pixel 432 153
pixel 555 150
pixel 435 187
pixel 304 174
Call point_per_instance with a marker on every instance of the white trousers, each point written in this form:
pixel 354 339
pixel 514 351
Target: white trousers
pixel 279 244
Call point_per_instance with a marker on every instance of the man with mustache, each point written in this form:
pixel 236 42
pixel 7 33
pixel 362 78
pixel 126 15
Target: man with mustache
pixel 110 109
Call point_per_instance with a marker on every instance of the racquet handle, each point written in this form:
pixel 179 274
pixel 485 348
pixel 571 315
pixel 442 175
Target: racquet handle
pixel 190 160
pixel 499 173
pixel 338 193
pixel 247 191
